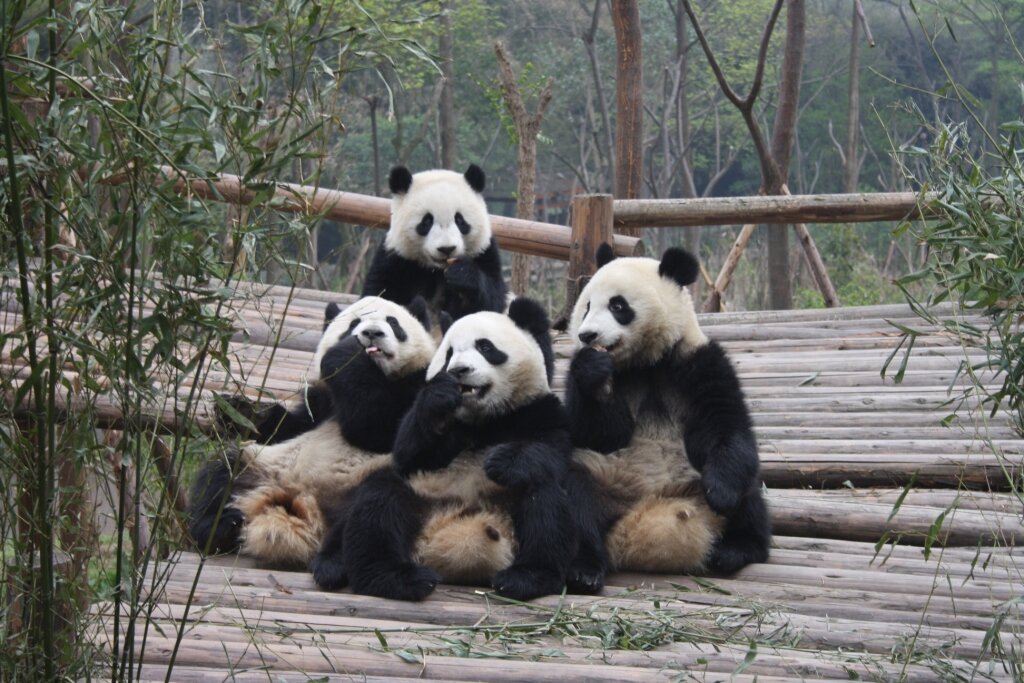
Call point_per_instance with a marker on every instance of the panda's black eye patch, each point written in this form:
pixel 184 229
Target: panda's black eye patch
pixel 461 223
pixel 423 227
pixel 352 326
pixel 621 310
pixel 490 352
pixel 397 328
pixel 448 358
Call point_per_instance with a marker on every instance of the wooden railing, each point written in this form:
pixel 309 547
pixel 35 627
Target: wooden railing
pixel 595 218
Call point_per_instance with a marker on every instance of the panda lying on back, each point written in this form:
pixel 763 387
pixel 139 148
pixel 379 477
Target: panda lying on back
pixel 485 436
pixel 648 388
pixel 439 245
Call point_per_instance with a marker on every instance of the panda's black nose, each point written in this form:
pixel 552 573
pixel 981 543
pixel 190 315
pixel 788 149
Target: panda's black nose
pixel 459 370
pixel 372 333
pixel 587 337
pixel 447 251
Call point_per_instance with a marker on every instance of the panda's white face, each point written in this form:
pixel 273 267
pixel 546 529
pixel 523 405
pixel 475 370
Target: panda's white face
pixel 498 365
pixel 391 336
pixel 439 218
pixel 634 313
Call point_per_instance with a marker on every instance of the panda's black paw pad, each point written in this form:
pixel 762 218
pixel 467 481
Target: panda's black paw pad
pixel 524 583
pixel 329 573
pixel 591 369
pixel 462 274
pixel 586 580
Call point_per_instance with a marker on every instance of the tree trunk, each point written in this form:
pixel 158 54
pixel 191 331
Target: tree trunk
pixel 374 102
pixel 783 132
pixel 527 128
pixel 447 109
pixel 851 165
pixel 629 101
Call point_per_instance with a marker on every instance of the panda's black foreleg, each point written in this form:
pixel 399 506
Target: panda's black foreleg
pixel 548 541
pixel 590 566
pixel 276 423
pixel 383 521
pixel 214 525
pixel 747 536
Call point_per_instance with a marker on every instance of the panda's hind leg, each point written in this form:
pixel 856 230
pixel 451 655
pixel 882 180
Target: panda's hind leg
pixel 588 569
pixel 380 533
pixel 547 545
pixel 746 538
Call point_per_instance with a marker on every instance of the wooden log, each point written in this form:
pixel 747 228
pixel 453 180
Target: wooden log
pixel 821 208
pixel 528 237
pixel 830 517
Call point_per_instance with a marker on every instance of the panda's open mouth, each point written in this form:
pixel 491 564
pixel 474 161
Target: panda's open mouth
pixel 605 349
pixel 474 391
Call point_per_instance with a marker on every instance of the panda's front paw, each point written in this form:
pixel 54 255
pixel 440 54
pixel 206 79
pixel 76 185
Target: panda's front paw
pixel 592 370
pixel 437 402
pixel 500 466
pixel 721 497
pixel 463 274
pixel 526 583
pixel 236 415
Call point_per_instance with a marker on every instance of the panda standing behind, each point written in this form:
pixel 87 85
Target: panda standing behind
pixel 439 245
pixel 647 384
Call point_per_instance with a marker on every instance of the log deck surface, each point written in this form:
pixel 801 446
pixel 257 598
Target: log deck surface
pixel 838 445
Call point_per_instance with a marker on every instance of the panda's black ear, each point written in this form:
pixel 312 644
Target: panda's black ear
pixel 530 316
pixel 418 308
pixel 399 180
pixel 330 313
pixel 474 175
pixel 445 320
pixel 679 265
pixel 605 254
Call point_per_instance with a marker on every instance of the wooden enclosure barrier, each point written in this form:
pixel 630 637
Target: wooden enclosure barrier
pixel 594 219
pixel 784 209
pixel 527 237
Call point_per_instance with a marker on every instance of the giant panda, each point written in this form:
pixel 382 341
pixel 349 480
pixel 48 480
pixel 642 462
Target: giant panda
pixel 661 427
pixel 485 440
pixel 267 500
pixel 439 245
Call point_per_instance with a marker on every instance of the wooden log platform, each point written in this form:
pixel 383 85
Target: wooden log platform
pixel 897 556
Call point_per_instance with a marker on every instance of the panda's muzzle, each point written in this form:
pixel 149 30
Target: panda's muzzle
pixel 465 388
pixel 475 391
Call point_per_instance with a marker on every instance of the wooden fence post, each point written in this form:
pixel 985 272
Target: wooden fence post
pixel 591 223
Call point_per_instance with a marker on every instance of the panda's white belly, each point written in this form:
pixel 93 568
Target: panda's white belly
pixel 316 461
pixel 463 480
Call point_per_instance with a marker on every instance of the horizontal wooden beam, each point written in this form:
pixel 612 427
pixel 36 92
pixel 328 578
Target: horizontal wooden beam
pixel 514 234
pixel 811 208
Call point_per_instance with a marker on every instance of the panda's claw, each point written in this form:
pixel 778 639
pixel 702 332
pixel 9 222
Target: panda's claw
pixel 407 581
pixel 585 580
